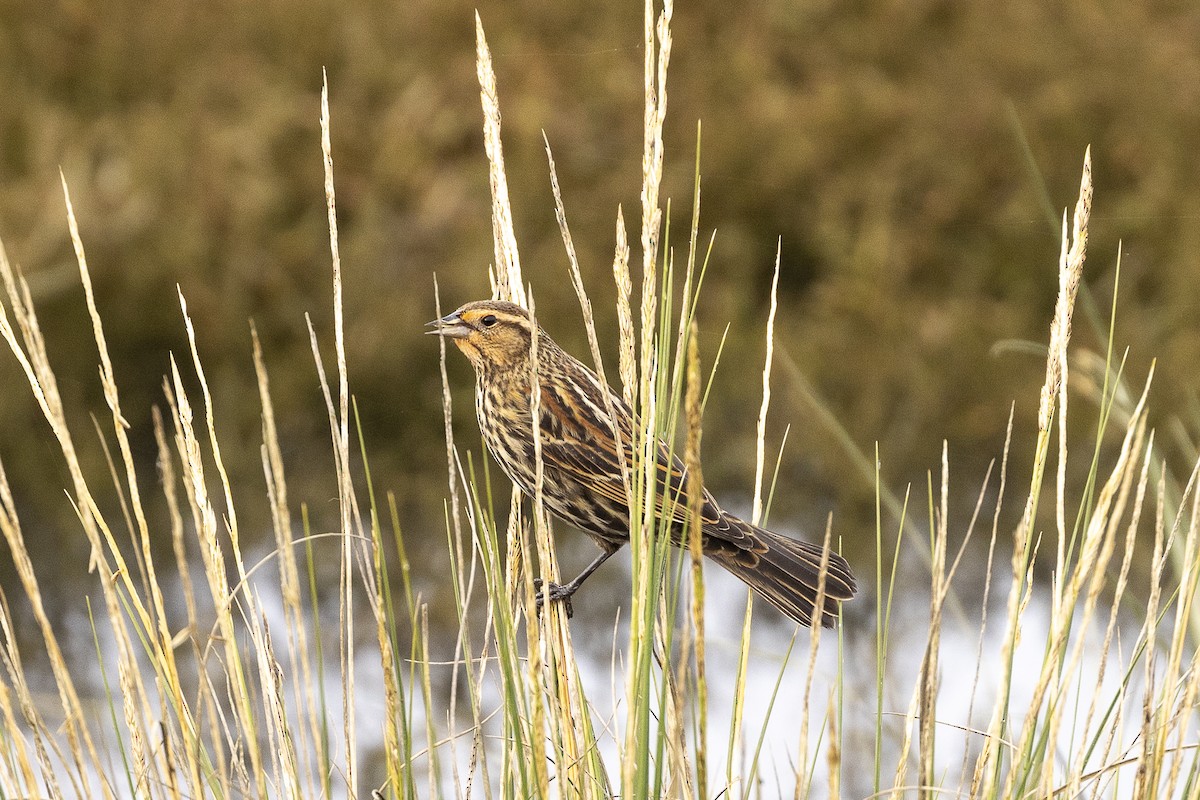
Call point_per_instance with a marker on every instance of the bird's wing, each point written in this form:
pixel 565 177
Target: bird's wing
pixel 577 438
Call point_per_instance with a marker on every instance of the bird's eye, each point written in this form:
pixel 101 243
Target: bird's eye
pixel 488 321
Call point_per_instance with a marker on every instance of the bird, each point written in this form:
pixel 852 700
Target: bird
pixel 582 481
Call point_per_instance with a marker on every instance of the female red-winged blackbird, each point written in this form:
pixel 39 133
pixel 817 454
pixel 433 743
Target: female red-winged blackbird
pixel 582 481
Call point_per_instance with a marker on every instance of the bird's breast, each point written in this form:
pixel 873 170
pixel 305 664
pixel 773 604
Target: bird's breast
pixel 504 420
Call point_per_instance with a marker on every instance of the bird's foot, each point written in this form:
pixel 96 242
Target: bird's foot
pixel 554 593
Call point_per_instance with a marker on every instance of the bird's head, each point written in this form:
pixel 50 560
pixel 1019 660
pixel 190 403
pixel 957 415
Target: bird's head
pixel 493 334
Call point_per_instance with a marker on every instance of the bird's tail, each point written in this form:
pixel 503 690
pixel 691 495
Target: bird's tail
pixel 787 572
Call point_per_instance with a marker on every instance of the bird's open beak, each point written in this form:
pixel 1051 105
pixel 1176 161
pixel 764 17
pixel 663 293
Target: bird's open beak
pixel 451 326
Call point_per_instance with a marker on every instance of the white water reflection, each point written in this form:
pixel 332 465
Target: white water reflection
pixel 970 672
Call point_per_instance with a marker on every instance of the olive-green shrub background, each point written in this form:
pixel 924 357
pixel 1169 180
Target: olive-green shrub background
pixel 911 160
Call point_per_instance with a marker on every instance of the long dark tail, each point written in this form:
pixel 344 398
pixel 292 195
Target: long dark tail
pixel 786 572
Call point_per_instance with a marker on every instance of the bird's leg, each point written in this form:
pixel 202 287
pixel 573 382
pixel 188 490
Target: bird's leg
pixel 555 592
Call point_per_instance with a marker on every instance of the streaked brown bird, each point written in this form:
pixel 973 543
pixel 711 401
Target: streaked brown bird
pixel 582 481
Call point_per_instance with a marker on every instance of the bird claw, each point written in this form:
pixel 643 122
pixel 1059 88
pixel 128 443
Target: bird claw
pixel 553 593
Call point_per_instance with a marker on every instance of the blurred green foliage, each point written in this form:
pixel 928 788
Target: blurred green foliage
pixel 911 160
